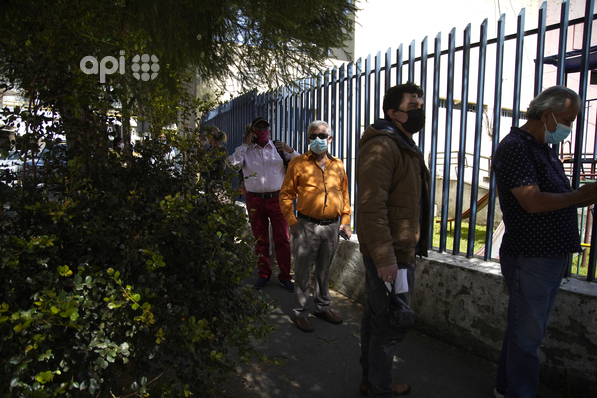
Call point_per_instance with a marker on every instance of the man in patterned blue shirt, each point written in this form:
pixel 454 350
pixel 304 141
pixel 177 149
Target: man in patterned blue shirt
pixel 540 213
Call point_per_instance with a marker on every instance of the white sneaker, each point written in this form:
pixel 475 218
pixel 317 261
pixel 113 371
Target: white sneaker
pixel 497 394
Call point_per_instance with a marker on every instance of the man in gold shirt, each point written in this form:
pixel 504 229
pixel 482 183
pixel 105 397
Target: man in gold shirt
pixel 319 183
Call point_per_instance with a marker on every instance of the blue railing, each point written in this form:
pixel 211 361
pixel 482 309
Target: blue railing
pixel 349 97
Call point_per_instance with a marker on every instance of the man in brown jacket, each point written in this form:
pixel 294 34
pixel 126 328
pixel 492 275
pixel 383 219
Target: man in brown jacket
pixel 392 226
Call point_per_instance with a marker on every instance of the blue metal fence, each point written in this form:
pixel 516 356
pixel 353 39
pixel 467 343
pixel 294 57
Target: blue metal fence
pixel 349 97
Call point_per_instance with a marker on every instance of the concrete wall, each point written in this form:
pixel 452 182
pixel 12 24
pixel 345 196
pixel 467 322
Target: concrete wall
pixel 463 302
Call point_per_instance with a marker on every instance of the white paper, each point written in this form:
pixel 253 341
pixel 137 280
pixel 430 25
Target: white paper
pixel 401 282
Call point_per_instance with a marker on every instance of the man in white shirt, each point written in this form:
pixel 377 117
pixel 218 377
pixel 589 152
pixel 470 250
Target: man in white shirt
pixel 264 170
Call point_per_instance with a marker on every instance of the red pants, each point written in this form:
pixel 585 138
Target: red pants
pixel 261 213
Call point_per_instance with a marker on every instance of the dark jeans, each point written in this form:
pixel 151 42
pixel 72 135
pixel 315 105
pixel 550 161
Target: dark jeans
pixel 533 283
pixel 378 340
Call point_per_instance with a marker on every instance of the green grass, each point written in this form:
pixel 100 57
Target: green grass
pixel 479 236
pixel 480 242
pixel 577 268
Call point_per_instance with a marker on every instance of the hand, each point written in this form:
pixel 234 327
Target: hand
pixel 282 145
pixel 346 229
pixel 249 138
pixel 589 190
pixel 293 229
pixel 388 273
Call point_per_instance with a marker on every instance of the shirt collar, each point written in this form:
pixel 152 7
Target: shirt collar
pixel 269 142
pixel 311 154
pixel 525 135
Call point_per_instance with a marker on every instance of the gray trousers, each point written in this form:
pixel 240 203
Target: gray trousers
pixel 378 340
pixel 313 244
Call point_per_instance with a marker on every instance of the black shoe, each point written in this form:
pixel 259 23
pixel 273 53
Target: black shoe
pixel 288 285
pixel 260 282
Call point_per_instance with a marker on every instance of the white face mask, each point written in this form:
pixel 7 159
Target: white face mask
pixel 560 134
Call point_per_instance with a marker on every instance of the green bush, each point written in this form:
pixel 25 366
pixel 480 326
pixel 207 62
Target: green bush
pixel 127 282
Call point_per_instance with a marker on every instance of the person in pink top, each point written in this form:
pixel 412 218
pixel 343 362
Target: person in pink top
pixel 264 171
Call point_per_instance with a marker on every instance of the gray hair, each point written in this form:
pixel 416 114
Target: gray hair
pixel 553 98
pixel 315 124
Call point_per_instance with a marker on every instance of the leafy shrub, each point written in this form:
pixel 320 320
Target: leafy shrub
pixel 126 282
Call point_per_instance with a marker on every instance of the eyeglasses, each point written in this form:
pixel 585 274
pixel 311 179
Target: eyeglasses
pixel 321 136
pixel 260 128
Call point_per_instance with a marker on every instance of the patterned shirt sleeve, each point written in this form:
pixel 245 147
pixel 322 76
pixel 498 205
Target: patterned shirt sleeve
pixel 514 167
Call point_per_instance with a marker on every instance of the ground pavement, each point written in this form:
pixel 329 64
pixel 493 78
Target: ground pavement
pixel 325 363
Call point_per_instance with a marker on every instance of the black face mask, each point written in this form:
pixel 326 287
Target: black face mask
pixel 415 121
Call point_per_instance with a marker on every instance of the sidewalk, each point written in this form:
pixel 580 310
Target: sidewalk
pixel 325 363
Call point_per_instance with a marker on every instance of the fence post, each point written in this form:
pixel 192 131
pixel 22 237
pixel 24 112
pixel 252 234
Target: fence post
pixel 466 55
pixel 448 141
pixel 434 128
pixel 477 142
pixel 497 110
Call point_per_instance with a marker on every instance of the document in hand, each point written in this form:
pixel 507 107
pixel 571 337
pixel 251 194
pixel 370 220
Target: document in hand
pixel 401 283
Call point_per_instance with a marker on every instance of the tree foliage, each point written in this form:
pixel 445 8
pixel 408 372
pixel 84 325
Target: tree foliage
pixel 125 283
pixel 120 276
pixel 257 42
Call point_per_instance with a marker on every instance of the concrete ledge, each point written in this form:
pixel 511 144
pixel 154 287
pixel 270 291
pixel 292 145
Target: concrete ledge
pixel 463 302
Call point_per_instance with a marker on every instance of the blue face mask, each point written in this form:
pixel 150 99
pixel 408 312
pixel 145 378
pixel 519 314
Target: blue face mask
pixel 560 134
pixel 318 145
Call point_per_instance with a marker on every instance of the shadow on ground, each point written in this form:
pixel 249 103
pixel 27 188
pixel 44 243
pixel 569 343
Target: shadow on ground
pixel 325 363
